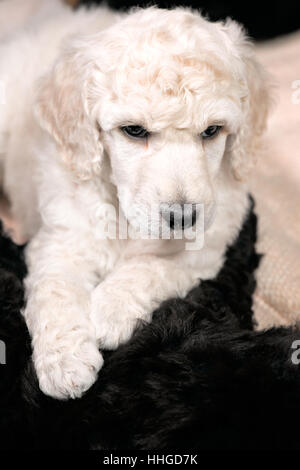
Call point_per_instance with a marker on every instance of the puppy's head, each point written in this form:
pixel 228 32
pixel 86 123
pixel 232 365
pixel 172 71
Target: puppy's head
pixel 175 102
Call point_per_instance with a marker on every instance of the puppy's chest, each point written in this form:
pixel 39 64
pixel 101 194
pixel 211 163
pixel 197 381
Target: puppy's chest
pixel 204 263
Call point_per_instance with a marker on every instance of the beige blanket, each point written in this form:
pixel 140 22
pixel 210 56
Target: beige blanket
pixel 276 187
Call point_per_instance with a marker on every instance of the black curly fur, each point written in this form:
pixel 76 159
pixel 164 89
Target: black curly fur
pixel 198 377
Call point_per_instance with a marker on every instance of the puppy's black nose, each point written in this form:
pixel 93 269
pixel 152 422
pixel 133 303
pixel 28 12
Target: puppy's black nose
pixel 179 216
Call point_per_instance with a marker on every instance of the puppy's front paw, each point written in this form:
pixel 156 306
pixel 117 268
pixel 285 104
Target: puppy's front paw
pixel 67 369
pixel 115 315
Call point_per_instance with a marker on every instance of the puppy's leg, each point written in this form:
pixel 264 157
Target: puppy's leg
pixel 59 283
pixel 132 292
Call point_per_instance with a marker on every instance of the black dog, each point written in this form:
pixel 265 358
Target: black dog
pixel 198 377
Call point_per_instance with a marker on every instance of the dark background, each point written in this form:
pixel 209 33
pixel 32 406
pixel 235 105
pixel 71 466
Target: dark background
pixel 263 20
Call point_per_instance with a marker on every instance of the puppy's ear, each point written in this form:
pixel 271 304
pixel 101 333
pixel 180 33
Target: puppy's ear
pixel 256 100
pixel 62 108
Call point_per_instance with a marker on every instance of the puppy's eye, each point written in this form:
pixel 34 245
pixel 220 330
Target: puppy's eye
pixel 136 132
pixel 211 131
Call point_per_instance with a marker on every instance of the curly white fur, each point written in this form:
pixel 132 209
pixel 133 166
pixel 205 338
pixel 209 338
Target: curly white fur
pixel 71 80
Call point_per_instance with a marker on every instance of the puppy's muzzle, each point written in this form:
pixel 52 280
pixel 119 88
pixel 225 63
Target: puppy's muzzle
pixel 179 216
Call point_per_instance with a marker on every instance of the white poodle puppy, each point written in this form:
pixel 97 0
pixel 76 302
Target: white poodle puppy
pixel 137 113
